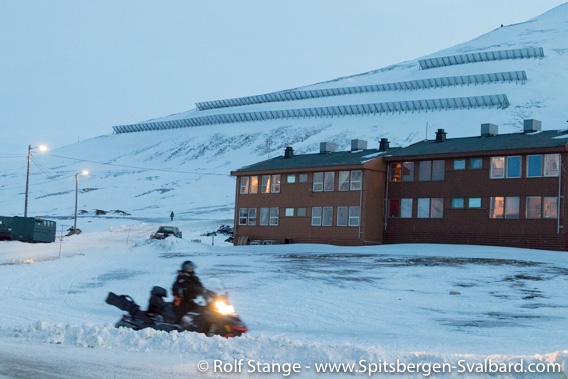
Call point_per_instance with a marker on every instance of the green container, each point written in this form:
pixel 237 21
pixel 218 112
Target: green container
pixel 6 228
pixel 31 229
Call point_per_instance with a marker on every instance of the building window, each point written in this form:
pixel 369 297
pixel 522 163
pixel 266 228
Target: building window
pixel 459 164
pixel 504 207
pixel 253 184
pixel 302 178
pixel 252 216
pixel 354 215
pixel 534 166
pixel 356 179
pixel 265 184
pixel 534 207
pixel 244 185
pixel 474 202
pixel 291 178
pixel 394 208
pixel 551 165
pixel 342 216
pixel 475 164
pixel 396 172
pixel 457 203
pixel 301 212
pixel 327 219
pixel 425 171
pixel 514 167
pixel 243 216
pixel 289 212
pixel 430 208
pixel 318 181
pixel 329 181
pixel 400 208
pixel 316 216
pixel 274 214
pixel 343 181
pixel 407 171
pixel 550 207
pixel 264 216
pixel 497 167
pixel 275 187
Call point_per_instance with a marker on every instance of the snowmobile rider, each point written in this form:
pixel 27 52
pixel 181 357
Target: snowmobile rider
pixel 185 289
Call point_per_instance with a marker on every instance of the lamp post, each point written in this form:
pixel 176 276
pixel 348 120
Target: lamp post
pixel 30 148
pixel 84 172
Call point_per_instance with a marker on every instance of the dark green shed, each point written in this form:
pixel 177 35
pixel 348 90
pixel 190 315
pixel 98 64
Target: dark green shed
pixel 31 229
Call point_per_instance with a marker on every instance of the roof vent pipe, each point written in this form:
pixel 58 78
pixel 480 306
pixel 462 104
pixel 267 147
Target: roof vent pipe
pixel 384 144
pixel 289 152
pixel 358 144
pixel 488 130
pixel 532 126
pixel 441 135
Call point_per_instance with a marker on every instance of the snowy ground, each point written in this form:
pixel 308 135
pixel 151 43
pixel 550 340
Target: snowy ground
pixel 304 304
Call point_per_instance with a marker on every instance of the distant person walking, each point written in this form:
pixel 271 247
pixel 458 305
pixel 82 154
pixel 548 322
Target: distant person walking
pixel 172 216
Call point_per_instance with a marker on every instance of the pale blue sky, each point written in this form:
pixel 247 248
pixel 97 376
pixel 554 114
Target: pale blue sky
pixel 71 69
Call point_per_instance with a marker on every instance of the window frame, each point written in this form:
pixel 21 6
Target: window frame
pixel 459 167
pixel 329 181
pixel 354 215
pixel 342 216
pixel 344 180
pixel 456 203
pixel 356 184
pixel 276 182
pixel 244 185
pixel 265 184
pixel 317 185
pixel 289 212
pixel 243 216
pixel 327 216
pixel 274 215
pixel 290 178
pixel 264 216
pixel 317 213
pixel 251 217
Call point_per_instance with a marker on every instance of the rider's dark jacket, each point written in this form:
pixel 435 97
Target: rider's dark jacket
pixel 186 288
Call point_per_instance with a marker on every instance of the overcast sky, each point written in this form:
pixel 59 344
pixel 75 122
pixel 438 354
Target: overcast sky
pixel 70 70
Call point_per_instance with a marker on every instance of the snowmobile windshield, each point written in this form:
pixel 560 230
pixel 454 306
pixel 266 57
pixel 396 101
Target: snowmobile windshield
pixel 216 285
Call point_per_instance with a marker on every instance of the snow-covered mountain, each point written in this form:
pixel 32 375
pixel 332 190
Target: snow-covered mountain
pixel 186 169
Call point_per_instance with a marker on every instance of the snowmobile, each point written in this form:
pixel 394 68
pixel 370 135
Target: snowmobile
pixel 215 315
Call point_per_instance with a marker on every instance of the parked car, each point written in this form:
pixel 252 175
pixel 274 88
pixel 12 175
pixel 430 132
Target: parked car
pixel 166 231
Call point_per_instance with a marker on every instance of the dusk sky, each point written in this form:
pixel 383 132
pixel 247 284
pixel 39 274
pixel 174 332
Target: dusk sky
pixel 70 70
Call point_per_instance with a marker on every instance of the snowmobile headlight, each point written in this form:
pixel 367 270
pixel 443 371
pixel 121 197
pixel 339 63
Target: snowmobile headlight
pixel 224 308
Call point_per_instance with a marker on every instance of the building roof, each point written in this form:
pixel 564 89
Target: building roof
pixel 340 158
pixel 515 141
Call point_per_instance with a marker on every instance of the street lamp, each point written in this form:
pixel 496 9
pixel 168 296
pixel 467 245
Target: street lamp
pixel 30 148
pixel 85 173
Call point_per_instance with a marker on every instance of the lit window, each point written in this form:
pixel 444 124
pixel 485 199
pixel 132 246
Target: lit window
pixel 534 166
pixel 475 163
pixel 252 216
pixel 301 212
pixel 327 218
pixel 264 216
pixel 342 216
pixel 318 181
pixel 354 215
pixel 457 203
pixel 356 179
pixel 253 184
pixel 459 164
pixel 396 172
pixel 534 207
pixel 498 167
pixel 302 178
pixel 291 178
pixel 504 207
pixel 265 184
pixel 316 216
pixel 496 207
pixel 551 165
pixel 244 184
pixel 550 207
pixel 243 216
pixel 343 181
pixel 329 181
pixel 289 212
pixel 474 202
pixel 275 188
pixel 274 213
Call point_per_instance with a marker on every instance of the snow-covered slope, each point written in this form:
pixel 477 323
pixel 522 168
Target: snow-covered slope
pixel 186 170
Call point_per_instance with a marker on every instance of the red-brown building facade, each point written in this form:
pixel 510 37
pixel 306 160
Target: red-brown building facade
pixel 492 189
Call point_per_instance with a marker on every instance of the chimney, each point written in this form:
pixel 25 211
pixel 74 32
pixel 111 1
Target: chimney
pixel 384 144
pixel 289 152
pixel 532 126
pixel 441 135
pixel 488 130
pixel 327 147
pixel 358 144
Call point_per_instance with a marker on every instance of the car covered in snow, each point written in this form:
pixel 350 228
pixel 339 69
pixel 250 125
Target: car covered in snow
pixel 166 231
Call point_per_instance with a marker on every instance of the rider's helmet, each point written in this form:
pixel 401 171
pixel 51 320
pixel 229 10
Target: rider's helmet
pixel 188 265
